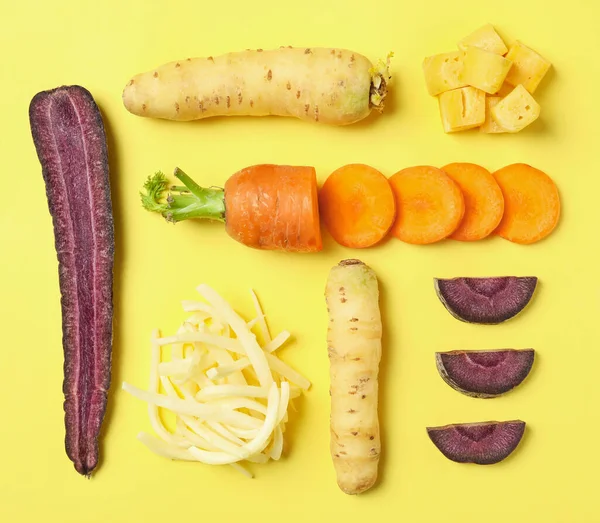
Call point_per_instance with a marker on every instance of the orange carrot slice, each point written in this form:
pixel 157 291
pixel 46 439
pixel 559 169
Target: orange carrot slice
pixel 531 203
pixel 484 203
pixel 357 206
pixel 430 205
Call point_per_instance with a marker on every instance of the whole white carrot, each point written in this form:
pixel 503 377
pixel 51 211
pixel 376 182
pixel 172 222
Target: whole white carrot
pixel 333 86
pixel 354 347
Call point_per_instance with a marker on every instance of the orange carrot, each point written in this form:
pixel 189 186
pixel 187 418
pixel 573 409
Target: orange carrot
pixel 484 204
pixel 430 205
pixel 274 207
pixel 270 207
pixel 531 203
pixel 357 206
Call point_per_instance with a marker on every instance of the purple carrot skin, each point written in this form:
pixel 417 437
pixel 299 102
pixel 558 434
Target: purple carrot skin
pixel 69 138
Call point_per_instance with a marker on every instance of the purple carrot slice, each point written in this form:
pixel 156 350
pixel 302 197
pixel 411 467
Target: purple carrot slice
pixel 484 373
pixel 485 300
pixel 70 141
pixel 481 443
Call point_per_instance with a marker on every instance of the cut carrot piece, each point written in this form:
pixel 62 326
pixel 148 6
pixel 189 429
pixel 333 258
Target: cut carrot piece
pixel 484 203
pixel 274 207
pixel 531 203
pixel 430 205
pixel 266 206
pixel 357 205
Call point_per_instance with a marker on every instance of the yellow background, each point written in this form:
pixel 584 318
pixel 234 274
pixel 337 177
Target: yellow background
pixel 551 478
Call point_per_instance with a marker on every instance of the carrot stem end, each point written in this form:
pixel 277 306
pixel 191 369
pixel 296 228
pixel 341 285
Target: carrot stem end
pixel 183 202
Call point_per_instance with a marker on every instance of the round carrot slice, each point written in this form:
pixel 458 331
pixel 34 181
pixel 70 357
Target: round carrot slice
pixel 357 206
pixel 531 203
pixel 430 205
pixel 484 203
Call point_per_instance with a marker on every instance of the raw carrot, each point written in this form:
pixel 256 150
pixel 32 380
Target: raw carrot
pixel 531 203
pixel 274 207
pixel 354 348
pixel 357 205
pixel 70 140
pixel 484 203
pixel 332 86
pixel 430 205
pixel 270 207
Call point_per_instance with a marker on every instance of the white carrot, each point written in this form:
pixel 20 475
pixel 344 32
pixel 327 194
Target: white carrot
pixel 354 347
pixel 334 86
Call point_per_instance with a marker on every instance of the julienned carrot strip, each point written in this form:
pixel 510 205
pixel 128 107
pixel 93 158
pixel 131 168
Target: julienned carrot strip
pixel 484 203
pixel 531 203
pixel 430 205
pixel 270 207
pixel 357 205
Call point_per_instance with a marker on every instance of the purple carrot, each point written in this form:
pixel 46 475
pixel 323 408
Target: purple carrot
pixel 69 138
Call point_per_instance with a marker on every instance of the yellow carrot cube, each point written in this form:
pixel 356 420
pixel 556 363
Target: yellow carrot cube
pixel 528 67
pixel 490 126
pixel 462 109
pixel 505 90
pixel 442 72
pixel 485 38
pixel 484 70
pixel 516 111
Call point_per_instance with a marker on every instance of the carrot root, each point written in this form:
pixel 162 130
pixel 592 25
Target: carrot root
pixel 274 207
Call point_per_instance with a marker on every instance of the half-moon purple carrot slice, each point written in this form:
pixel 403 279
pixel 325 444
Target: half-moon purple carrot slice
pixel 481 443
pixel 485 300
pixel 70 141
pixel 484 373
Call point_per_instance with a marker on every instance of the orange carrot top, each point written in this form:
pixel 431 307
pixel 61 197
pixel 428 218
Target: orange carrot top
pixel 270 207
pixel 274 207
